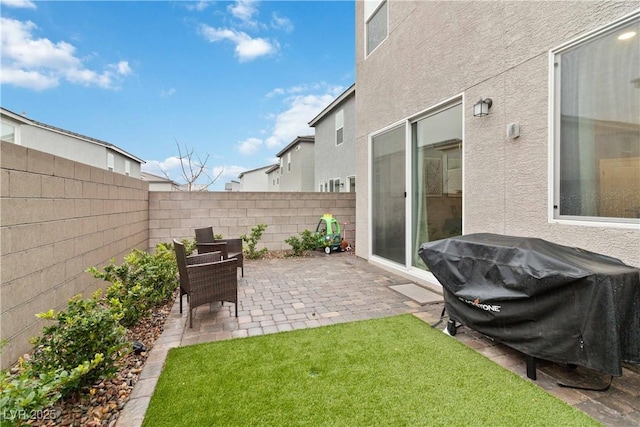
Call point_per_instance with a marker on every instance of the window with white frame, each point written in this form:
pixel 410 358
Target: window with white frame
pixel 596 126
pixel 334 185
pixel 281 165
pixel 9 133
pixel 352 183
pixel 376 12
pixel 110 161
pixel 127 167
pixel 339 127
pixel 289 162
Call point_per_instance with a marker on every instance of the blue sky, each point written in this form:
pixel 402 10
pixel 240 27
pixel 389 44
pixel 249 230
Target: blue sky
pixel 234 80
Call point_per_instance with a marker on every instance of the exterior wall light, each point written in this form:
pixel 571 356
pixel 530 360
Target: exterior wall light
pixel 481 108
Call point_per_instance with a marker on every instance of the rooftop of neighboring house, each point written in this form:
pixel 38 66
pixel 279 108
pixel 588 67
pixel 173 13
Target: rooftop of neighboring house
pixel 25 120
pixel 149 177
pixel 299 140
pixel 351 90
pixel 257 170
pixel 272 168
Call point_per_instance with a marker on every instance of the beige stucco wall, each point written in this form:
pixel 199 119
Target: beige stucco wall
pixel 301 176
pixel 178 214
pixel 439 50
pixel 57 218
pixel 335 161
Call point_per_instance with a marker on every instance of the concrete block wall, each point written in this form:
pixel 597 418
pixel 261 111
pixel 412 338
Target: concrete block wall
pixel 57 218
pixel 177 214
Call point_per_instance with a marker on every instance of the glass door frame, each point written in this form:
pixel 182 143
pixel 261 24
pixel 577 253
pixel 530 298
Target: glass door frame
pixel 407 123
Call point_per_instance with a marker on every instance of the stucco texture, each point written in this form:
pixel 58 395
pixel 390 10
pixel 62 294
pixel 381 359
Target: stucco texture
pixel 438 51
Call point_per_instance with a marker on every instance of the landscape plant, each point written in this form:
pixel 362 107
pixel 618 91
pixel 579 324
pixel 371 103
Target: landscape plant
pixel 300 246
pixel 85 329
pixel 252 241
pixel 190 245
pixel 143 281
pixel 27 393
pixel 87 342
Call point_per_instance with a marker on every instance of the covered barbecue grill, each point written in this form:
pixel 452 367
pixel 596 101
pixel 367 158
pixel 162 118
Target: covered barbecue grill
pixel 548 301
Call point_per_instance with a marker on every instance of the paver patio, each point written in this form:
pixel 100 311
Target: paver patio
pixel 295 293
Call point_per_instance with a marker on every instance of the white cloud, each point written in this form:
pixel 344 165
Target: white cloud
pixel 275 92
pixel 198 6
pixel 294 121
pixel 39 63
pixel 281 22
pixel 28 79
pixel 227 172
pixel 244 10
pixel 306 88
pixel 22 4
pixel 301 108
pixel 246 47
pixel 249 146
pixel 167 92
pixel 123 68
pixel 302 103
pixel 168 165
pixel 172 167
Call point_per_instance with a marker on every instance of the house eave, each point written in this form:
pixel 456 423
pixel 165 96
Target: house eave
pixel 298 140
pixel 347 93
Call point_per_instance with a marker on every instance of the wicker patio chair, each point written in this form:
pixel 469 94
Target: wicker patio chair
pixel 205 237
pixel 204 248
pixel 206 278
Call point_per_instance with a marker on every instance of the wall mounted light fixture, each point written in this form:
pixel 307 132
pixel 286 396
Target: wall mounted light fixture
pixel 481 108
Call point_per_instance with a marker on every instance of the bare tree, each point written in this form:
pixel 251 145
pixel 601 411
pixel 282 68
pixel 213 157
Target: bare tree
pixel 193 168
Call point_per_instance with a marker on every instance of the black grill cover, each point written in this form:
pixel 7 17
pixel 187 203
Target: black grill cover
pixel 548 301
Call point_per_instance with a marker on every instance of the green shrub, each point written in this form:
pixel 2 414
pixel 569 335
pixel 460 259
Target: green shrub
pixel 163 273
pixel 143 281
pixel 252 241
pixel 87 341
pixel 29 393
pixel 307 242
pixel 190 246
pixel 87 328
pixel 136 301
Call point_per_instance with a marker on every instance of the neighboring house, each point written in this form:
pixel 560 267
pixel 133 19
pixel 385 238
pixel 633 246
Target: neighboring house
pixel 232 185
pixel 193 187
pixel 558 155
pixel 255 179
pixel 273 174
pixel 335 147
pixel 297 165
pixel 24 131
pixel 159 183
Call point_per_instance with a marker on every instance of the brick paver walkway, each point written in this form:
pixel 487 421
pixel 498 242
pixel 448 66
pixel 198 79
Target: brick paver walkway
pixel 286 294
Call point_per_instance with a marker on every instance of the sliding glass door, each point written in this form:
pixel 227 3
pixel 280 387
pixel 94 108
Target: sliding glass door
pixel 431 145
pixel 436 159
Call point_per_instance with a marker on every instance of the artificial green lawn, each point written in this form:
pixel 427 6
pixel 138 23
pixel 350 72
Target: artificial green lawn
pixel 388 372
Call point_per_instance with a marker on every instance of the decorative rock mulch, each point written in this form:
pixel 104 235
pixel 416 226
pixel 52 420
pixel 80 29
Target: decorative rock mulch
pixel 101 404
